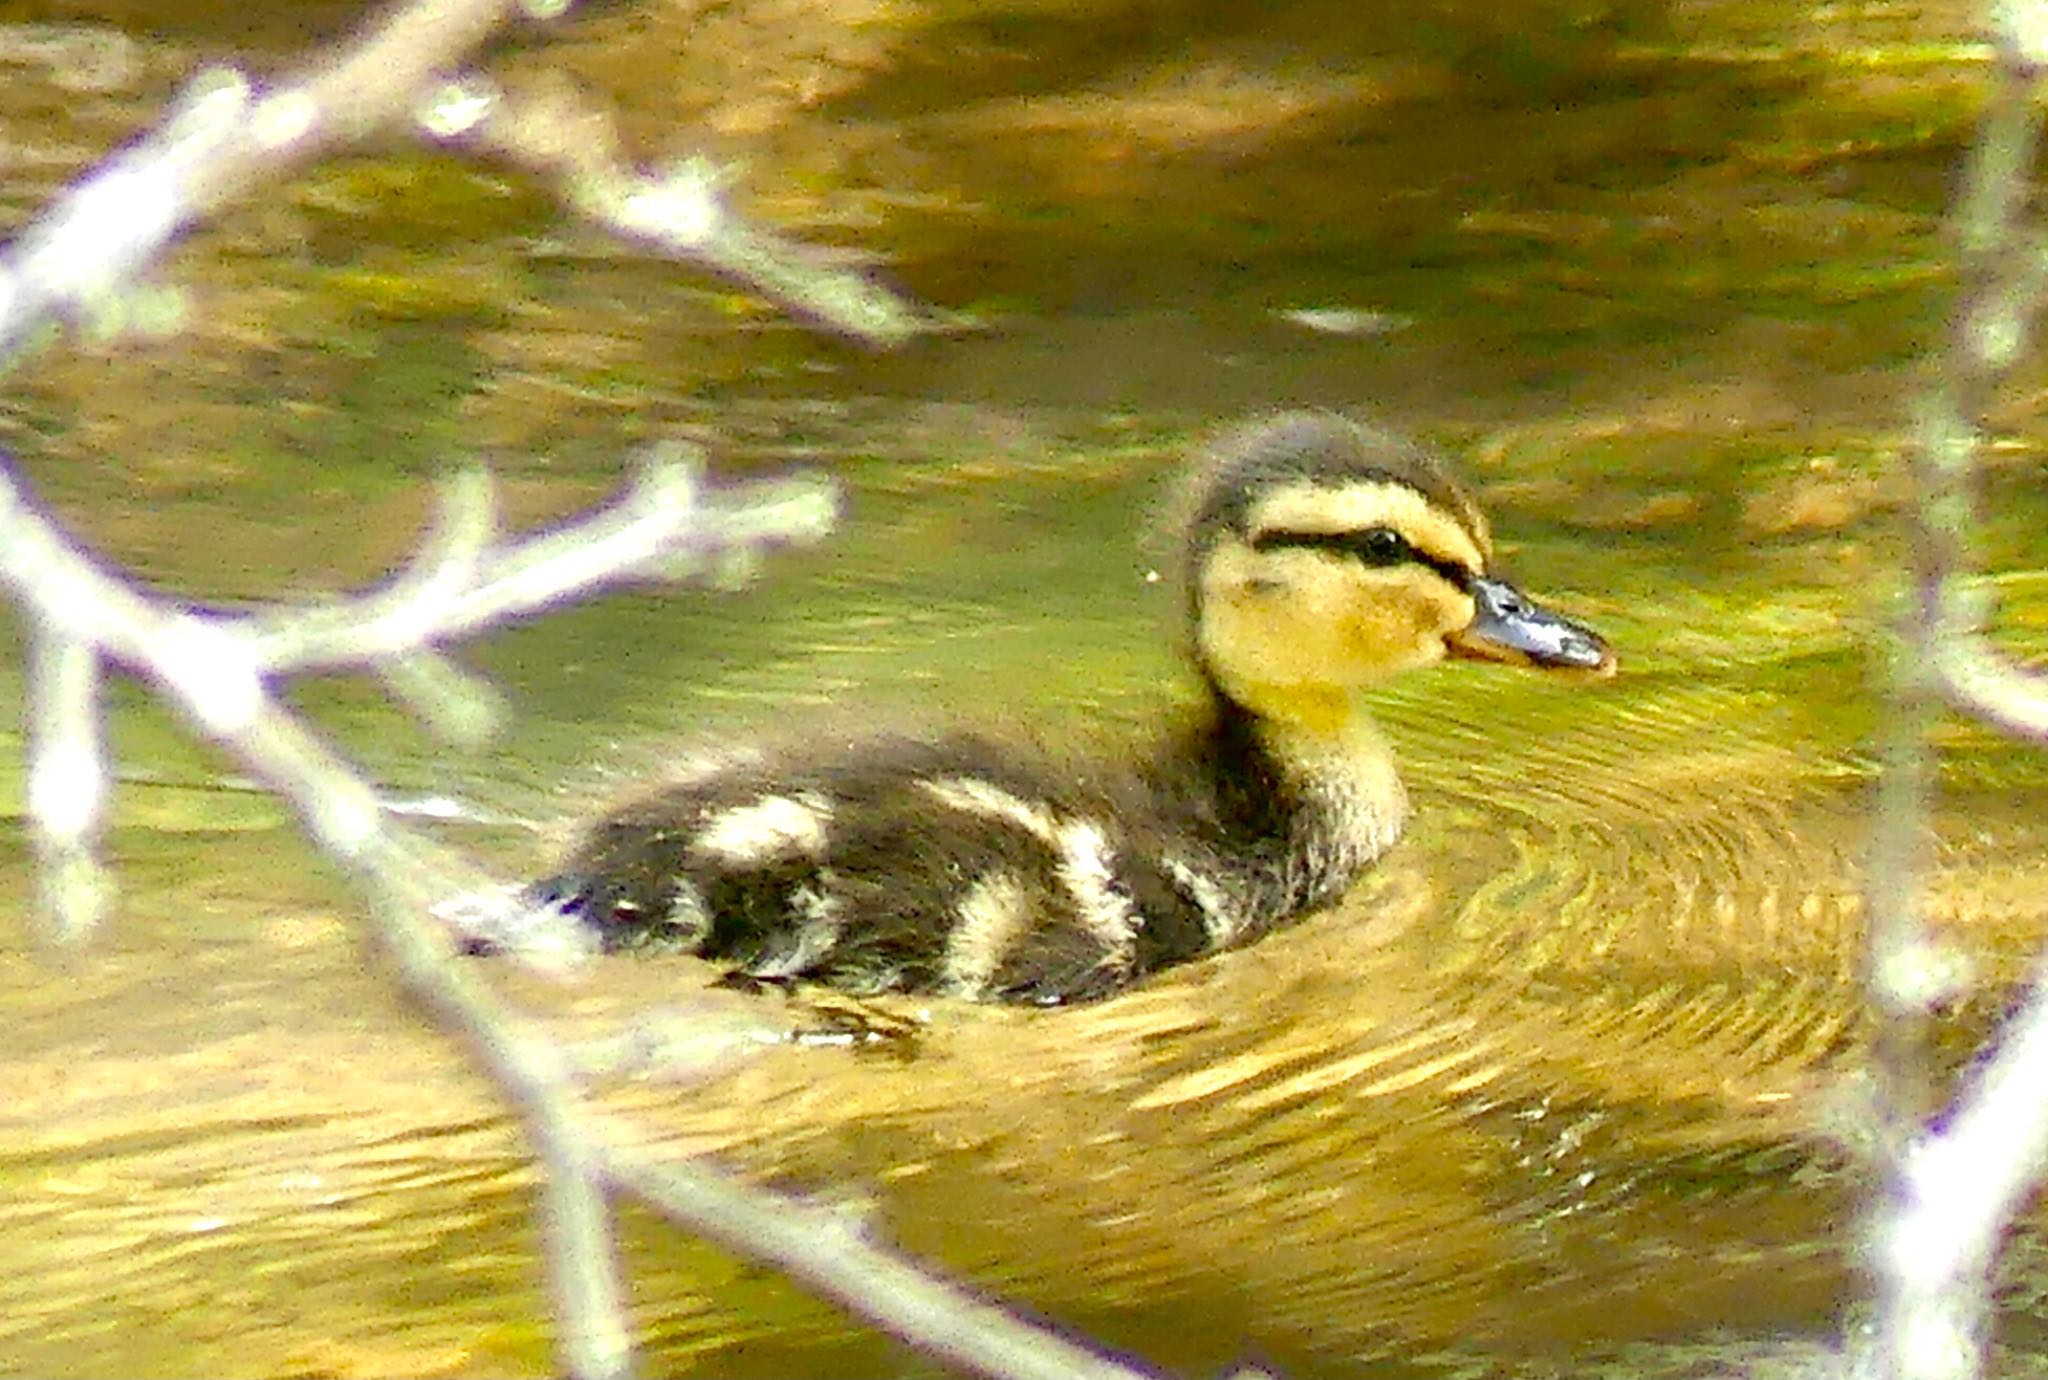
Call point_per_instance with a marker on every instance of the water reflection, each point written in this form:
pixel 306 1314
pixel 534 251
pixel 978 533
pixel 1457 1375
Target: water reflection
pixel 1555 1089
pixel 1563 1071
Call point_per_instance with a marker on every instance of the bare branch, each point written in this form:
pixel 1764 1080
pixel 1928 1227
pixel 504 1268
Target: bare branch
pixel 826 1251
pixel 593 1340
pixel 1951 1191
pixel 680 212
pixel 596 1338
pixel 222 137
pixel 226 134
pixel 1964 1184
pixel 68 777
pixel 666 526
pixel 456 704
pixel 403 617
pixel 217 671
pixel 1980 681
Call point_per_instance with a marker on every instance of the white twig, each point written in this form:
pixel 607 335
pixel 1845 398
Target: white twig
pixel 665 526
pixel 403 617
pixel 1963 1185
pixel 226 134
pixel 68 777
pixel 826 1251
pixel 594 1335
pixel 218 670
pixel 1954 1179
pixel 456 704
pixel 679 212
pixel 1983 683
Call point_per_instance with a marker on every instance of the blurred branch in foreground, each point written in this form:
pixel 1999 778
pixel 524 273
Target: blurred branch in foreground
pixel 225 138
pixel 226 135
pixel 1956 1173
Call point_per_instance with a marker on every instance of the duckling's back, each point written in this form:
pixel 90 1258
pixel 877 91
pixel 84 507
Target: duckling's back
pixel 965 865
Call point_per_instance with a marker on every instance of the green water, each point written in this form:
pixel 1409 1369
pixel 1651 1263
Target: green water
pixel 1552 1095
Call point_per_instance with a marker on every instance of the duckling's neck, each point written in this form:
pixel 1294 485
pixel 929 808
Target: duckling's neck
pixel 1299 799
pixel 1316 735
pixel 1337 754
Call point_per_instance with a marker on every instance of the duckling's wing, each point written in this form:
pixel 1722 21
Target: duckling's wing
pixel 960 865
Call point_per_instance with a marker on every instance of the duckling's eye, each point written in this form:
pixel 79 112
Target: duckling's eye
pixel 1382 546
pixel 1372 545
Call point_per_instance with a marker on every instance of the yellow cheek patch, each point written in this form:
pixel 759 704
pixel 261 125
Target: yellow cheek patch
pixel 1416 613
pixel 1306 507
pixel 1302 619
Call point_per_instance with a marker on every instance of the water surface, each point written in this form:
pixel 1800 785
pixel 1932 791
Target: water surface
pixel 1559 1091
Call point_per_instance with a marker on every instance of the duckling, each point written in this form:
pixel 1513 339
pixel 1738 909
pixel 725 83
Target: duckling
pixel 1323 556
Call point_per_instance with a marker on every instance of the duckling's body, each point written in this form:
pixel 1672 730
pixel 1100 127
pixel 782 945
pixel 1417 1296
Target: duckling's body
pixel 1322 555
pixel 982 867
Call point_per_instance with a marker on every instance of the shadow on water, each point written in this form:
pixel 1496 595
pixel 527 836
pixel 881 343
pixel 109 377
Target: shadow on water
pixel 1562 1089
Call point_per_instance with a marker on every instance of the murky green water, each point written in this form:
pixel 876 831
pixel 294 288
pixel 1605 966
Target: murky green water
pixel 1554 1094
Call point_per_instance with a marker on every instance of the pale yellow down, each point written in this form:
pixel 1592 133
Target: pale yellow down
pixel 1293 633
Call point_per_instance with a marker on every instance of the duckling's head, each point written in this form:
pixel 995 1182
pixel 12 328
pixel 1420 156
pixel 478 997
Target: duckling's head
pixel 1325 555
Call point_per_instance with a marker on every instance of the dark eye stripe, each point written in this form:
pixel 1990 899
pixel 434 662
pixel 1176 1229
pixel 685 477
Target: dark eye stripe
pixel 1370 546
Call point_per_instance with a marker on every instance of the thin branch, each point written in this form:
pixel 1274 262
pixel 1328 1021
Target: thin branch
pixel 825 1250
pixel 576 1224
pixel 1965 1183
pixel 1951 1191
pixel 222 137
pixel 1983 683
pixel 680 212
pixel 226 134
pixel 666 525
pixel 456 704
pixel 219 666
pixel 214 667
pixel 68 779
pixel 403 617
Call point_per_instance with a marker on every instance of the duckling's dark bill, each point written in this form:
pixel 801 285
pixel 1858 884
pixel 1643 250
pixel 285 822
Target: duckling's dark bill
pixel 1509 626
